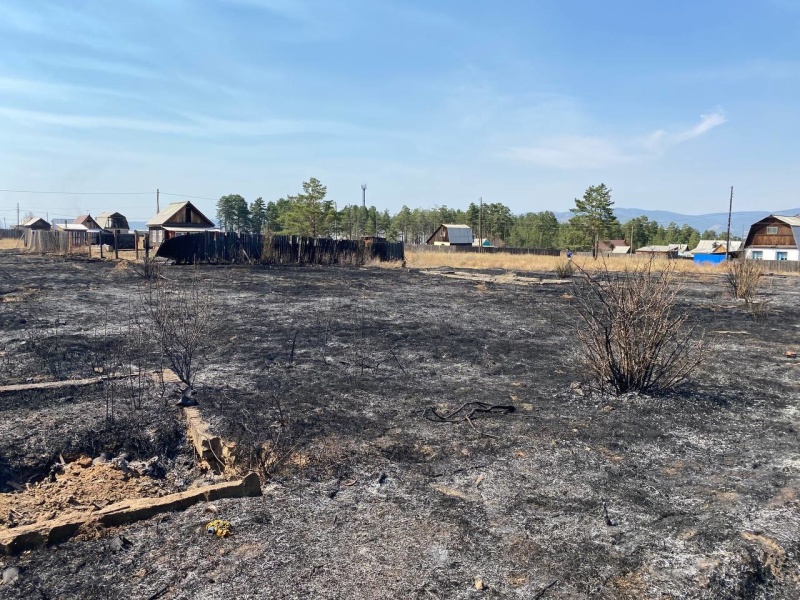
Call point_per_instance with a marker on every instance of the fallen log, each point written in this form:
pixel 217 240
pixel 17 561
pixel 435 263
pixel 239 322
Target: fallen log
pixel 54 531
pixel 209 447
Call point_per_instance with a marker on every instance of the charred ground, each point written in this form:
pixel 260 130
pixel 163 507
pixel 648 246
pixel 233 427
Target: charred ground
pixel 336 367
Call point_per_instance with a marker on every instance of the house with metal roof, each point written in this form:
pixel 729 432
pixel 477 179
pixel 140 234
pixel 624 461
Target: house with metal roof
pixel 88 222
pixel 776 237
pixel 663 251
pixel 451 235
pixel 614 247
pixel 113 222
pixel 177 218
pixel 712 251
pixel 715 247
pixel 36 224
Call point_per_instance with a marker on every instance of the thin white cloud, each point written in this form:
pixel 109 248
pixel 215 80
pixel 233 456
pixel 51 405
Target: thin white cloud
pixel 193 125
pixel 571 152
pixel 661 138
pixel 586 152
pixel 763 69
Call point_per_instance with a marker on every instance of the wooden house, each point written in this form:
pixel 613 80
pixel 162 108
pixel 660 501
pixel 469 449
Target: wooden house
pixel 615 247
pixel 776 237
pixel 178 218
pixel 113 222
pixel 77 232
pixel 36 224
pixel 665 251
pixel 451 235
pixel 88 222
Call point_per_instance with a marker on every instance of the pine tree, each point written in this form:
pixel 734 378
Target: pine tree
pixel 594 215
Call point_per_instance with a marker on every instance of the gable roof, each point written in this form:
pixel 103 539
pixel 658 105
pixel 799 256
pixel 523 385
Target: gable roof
pixel 112 220
pixel 666 248
pixel 83 219
pixel 72 227
pixel 174 208
pixel 33 220
pixel 793 222
pixel 458 234
pixel 606 245
pixel 715 246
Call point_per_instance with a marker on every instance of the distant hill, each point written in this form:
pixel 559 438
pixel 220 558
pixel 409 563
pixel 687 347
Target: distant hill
pixel 740 221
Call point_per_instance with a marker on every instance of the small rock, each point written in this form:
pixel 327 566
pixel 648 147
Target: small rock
pixel 85 462
pixel 104 458
pixel 121 464
pixel 187 398
pixel 479 584
pixel 10 575
pixel 382 478
pixel 119 543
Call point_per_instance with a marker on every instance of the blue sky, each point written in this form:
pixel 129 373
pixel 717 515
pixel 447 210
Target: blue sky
pixel 428 102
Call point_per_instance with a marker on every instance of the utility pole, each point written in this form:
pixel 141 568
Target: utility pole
pixel 633 249
pixel 480 225
pixel 158 201
pixel 364 204
pixel 728 234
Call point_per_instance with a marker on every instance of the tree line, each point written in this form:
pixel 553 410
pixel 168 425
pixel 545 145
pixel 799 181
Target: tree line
pixel 311 213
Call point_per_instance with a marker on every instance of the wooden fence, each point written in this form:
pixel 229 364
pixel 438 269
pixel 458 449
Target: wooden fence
pixel 46 242
pixel 791 266
pixel 486 250
pixel 229 247
pixel 10 234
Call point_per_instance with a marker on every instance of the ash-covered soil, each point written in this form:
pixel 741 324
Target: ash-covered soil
pixel 336 367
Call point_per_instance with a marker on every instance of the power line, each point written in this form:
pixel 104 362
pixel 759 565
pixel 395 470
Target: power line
pixel 187 196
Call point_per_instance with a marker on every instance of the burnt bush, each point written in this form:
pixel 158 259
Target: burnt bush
pixel 181 319
pixel 743 278
pixel 632 336
pixel 143 438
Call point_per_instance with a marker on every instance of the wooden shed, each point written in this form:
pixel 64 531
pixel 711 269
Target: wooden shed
pixel 451 235
pixel 178 218
pixel 36 224
pixel 776 237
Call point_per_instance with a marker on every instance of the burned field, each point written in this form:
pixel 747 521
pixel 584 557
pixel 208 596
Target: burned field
pixel 328 378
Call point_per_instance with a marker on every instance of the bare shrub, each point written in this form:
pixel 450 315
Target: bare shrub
pixel 147 268
pixel 743 277
pixel 633 337
pixel 182 324
pixel 564 270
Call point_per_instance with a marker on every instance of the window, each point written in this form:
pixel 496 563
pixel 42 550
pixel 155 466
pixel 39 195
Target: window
pixel 757 255
pixel 772 231
pixel 782 255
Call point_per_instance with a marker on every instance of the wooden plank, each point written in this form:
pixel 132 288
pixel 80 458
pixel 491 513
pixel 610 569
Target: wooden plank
pixel 54 531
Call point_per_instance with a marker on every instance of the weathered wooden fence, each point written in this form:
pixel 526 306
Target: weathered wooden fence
pixel 10 234
pixel 229 247
pixel 486 250
pixel 46 242
pixel 791 266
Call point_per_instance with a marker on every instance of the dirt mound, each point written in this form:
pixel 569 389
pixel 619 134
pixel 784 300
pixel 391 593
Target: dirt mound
pixel 81 488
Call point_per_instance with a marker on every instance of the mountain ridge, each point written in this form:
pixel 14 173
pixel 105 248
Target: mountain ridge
pixel 740 220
